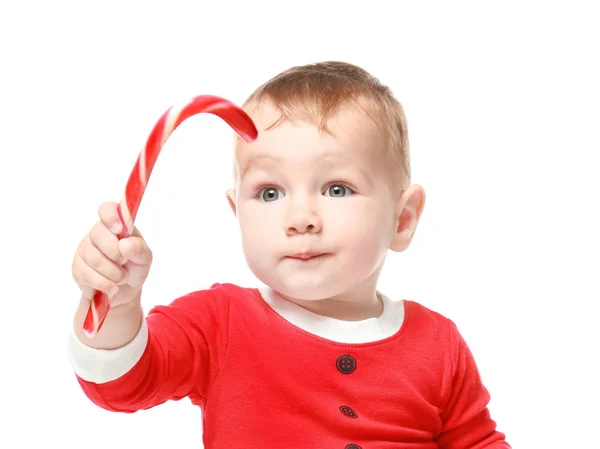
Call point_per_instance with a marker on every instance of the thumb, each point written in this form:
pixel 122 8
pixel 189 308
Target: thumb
pixel 136 250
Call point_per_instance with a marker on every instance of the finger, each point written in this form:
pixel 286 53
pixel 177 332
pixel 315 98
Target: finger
pixel 87 292
pixel 135 232
pixel 89 278
pixel 106 242
pixel 94 258
pixel 136 250
pixel 109 215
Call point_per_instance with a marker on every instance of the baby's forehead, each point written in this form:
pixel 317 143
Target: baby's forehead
pixel 350 139
pixel 345 130
pixel 300 149
pixel 284 149
pixel 267 115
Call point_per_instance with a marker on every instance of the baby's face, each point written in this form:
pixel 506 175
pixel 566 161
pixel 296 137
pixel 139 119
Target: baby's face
pixel 302 193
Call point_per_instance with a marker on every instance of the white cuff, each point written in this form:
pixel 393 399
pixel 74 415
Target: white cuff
pixel 104 365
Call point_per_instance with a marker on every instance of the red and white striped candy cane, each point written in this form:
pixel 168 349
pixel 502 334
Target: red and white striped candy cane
pixel 136 185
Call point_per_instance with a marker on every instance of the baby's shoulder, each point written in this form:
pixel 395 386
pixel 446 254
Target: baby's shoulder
pixel 217 295
pixel 209 305
pixel 216 291
pixel 424 319
pixel 423 312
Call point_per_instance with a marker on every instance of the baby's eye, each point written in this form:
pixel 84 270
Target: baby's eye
pixel 338 190
pixel 270 194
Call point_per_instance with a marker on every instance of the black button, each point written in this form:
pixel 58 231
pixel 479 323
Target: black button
pixel 346 364
pixel 352 446
pixel 347 411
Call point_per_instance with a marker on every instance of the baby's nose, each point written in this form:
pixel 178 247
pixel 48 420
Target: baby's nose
pixel 303 218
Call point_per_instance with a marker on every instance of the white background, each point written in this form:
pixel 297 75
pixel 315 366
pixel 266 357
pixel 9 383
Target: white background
pixel 502 101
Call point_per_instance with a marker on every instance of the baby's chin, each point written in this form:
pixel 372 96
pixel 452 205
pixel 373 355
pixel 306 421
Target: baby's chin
pixel 310 285
pixel 304 291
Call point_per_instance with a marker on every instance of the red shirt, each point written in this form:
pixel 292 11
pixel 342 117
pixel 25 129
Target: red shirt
pixel 263 382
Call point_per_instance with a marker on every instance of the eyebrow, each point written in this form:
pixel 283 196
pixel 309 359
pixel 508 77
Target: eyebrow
pixel 259 159
pixel 331 156
pixel 268 159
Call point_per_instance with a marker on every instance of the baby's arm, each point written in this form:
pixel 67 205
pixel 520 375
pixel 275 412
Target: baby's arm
pixel 466 418
pixel 177 352
pixel 135 362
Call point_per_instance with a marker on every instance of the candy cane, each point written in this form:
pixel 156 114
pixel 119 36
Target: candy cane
pixel 136 185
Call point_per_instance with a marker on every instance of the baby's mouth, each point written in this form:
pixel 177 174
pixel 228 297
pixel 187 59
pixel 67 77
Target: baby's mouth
pixel 306 256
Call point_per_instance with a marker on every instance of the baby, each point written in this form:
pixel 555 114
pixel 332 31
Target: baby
pixel 320 358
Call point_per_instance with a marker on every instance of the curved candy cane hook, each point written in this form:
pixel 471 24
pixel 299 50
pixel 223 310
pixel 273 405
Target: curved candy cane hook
pixel 136 185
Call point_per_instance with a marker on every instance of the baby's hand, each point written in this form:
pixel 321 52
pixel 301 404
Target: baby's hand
pixel 102 262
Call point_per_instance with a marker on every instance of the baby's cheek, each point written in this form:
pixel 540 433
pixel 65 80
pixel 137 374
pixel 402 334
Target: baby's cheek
pixel 368 239
pixel 258 239
pixel 255 255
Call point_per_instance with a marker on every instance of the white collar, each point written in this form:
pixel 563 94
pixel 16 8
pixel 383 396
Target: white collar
pixel 364 331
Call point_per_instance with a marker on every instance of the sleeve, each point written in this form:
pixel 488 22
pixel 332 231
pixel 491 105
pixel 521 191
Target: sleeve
pixel 177 353
pixel 466 421
pixel 101 365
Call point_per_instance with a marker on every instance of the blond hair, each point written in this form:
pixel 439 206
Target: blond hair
pixel 316 91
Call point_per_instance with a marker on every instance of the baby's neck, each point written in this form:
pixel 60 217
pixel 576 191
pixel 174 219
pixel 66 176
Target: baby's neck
pixel 343 308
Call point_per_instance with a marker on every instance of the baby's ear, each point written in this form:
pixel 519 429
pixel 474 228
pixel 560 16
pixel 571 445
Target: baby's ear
pixel 409 210
pixel 231 199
